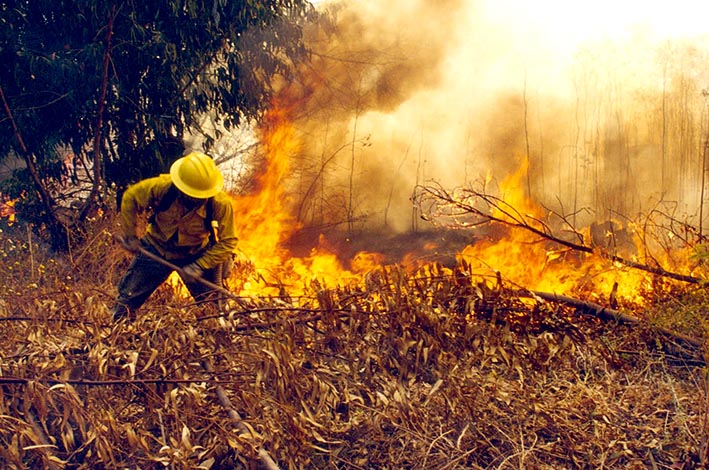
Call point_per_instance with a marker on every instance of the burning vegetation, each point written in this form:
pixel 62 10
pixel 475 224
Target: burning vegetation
pixel 427 367
pixel 380 317
pixel 534 345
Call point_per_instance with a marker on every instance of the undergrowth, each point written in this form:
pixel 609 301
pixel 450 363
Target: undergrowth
pixel 433 369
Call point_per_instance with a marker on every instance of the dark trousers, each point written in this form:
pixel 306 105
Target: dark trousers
pixel 145 275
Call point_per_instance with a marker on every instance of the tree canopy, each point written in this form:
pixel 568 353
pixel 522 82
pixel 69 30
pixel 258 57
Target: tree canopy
pixel 110 87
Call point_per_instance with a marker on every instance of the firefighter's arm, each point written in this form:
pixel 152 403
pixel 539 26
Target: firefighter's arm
pixel 139 197
pixel 226 239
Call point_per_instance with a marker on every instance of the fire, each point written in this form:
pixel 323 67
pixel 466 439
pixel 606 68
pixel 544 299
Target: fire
pixel 265 223
pixel 7 209
pixel 513 194
pixel 393 103
pixel 532 262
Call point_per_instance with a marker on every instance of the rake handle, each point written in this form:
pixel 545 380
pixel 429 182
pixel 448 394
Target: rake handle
pixel 174 267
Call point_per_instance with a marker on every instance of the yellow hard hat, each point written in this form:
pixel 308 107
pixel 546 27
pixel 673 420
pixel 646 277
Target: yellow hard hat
pixel 197 175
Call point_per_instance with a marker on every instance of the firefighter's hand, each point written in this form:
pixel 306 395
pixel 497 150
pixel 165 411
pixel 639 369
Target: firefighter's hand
pixel 192 271
pixel 131 243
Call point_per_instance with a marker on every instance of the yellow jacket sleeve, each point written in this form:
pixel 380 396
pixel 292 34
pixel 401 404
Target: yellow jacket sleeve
pixel 139 197
pixel 227 239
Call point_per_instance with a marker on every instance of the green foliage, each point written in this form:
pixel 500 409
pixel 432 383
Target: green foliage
pixel 159 66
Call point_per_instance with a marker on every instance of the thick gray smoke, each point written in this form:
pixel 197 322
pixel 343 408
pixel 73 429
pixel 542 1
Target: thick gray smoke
pixel 606 108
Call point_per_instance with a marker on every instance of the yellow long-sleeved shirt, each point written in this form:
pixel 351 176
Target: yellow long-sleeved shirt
pixel 179 232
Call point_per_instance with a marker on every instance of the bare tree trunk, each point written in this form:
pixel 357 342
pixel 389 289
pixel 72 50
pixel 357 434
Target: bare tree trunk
pixel 526 138
pixel 703 185
pixel 393 187
pixel 575 156
pixel 350 195
pixel 415 215
pixel 98 131
pixel 57 230
pixel 704 174
pixel 542 175
pixel 663 184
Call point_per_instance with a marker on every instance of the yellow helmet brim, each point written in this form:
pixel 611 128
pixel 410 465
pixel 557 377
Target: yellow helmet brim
pixel 213 175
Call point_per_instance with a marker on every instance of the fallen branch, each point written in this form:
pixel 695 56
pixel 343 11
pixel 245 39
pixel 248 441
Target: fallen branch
pixel 247 326
pixel 609 314
pixel 455 207
pixel 236 418
pixel 8 380
pixel 43 320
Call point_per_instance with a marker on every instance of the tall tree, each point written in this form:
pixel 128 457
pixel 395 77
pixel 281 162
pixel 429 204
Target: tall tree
pixel 109 88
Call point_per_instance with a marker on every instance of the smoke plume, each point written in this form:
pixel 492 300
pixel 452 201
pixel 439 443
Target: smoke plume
pixel 604 107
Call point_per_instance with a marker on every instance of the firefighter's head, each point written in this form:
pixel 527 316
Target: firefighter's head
pixel 197 175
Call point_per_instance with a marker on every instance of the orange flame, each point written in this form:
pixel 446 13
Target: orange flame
pixel 7 209
pixel 264 223
pixel 536 264
pixel 519 256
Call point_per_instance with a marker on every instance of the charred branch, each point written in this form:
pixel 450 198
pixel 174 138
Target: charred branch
pixel 609 314
pixel 469 207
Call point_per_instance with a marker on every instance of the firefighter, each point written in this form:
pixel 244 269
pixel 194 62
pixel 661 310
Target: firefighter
pixel 191 227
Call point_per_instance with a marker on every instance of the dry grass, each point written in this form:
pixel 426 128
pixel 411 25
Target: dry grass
pixel 425 370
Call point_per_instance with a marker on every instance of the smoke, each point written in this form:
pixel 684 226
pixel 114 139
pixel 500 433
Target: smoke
pixel 605 106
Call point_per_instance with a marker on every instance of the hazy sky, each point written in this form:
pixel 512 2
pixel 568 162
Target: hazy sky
pixel 455 91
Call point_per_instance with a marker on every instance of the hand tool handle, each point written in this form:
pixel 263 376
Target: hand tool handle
pixel 174 267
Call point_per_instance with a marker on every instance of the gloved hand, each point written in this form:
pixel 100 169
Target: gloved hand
pixel 192 271
pixel 131 243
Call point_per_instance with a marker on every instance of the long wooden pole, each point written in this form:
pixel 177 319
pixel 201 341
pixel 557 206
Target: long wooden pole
pixel 174 267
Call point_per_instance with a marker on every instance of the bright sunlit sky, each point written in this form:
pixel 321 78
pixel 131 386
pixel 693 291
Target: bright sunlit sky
pixel 576 20
pixel 573 22
pixel 585 18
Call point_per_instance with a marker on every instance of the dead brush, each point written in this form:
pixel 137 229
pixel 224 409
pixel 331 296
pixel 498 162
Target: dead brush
pixel 428 369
